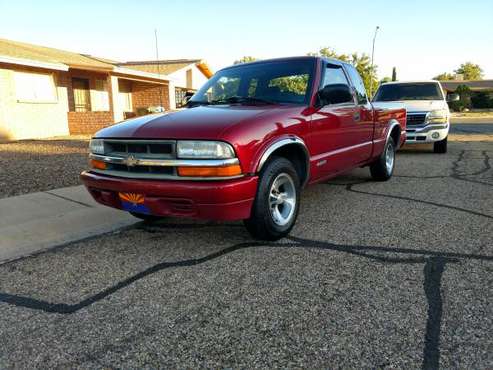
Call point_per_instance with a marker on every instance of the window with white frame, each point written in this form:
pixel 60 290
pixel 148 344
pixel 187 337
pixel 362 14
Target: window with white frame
pixel 35 87
pixel 100 98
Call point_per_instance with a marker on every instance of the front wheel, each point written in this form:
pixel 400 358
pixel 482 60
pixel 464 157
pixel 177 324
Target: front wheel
pixel 276 204
pixel 440 146
pixel 383 168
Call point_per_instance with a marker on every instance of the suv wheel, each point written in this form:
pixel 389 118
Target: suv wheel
pixel 276 204
pixel 440 146
pixel 383 168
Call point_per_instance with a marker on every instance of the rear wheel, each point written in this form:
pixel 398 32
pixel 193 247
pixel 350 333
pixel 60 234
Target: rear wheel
pixel 440 146
pixel 276 204
pixel 383 168
pixel 146 218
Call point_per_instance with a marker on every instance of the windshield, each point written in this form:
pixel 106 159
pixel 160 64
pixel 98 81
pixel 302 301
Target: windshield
pixel 415 91
pixel 268 83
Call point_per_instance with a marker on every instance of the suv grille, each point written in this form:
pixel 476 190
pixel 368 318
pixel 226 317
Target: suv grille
pixel 416 119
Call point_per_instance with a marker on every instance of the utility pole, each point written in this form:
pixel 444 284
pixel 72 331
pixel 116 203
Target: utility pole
pixel 372 58
pixel 158 70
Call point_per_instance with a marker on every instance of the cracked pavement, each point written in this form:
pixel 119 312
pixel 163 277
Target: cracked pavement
pixel 374 275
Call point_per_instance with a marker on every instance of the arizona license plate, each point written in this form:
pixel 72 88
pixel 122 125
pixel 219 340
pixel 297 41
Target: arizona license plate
pixel 134 203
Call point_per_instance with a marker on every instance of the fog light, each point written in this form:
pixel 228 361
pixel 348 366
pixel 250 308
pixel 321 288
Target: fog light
pixel 435 135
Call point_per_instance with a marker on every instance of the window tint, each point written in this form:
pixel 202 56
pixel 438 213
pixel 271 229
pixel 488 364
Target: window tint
pixel 358 85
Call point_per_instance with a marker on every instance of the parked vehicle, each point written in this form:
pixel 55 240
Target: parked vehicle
pixel 252 137
pixel 428 115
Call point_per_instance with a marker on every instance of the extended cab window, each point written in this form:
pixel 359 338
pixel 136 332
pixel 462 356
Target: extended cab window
pixel 277 82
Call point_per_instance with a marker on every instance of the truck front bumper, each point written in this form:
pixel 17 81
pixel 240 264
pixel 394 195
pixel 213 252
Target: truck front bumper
pixel 212 200
pixel 427 133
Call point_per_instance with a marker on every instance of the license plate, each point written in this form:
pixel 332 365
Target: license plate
pixel 134 203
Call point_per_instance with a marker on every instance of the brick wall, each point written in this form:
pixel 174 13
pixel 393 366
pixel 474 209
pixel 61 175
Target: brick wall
pixel 146 95
pixel 88 122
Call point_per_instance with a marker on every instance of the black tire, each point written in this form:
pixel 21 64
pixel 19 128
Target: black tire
pixel 146 218
pixel 380 169
pixel 263 223
pixel 440 146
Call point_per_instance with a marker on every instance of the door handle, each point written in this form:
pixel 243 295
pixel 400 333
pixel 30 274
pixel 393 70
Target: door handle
pixel 356 116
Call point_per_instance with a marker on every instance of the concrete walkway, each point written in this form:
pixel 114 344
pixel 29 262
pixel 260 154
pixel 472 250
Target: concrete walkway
pixel 34 222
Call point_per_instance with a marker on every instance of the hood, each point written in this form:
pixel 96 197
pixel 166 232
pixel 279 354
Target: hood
pixel 424 105
pixel 203 122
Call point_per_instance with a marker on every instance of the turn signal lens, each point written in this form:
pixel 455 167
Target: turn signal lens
pixel 196 171
pixel 100 165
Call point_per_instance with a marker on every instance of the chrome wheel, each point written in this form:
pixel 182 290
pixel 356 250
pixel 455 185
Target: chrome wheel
pixel 389 158
pixel 282 199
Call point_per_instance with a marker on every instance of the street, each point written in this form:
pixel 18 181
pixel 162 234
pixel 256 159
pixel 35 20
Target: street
pixel 395 274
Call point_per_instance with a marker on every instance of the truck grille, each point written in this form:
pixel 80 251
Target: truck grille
pixel 140 149
pixel 414 119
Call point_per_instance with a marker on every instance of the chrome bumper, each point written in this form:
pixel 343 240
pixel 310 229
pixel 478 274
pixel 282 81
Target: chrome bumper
pixel 427 133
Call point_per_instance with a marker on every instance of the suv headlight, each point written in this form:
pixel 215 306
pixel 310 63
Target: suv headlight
pixel 188 149
pixel 96 146
pixel 438 116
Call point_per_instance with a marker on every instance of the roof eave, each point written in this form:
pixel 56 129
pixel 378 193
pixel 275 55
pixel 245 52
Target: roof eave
pixel 34 63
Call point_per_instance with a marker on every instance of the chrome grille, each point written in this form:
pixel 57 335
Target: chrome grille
pixel 140 150
pixel 414 119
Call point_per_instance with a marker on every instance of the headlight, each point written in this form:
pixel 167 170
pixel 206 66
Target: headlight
pixel 96 146
pixel 438 116
pixel 204 150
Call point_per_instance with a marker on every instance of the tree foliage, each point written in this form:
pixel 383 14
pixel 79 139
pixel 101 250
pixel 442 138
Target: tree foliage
pixel 361 62
pixel 470 71
pixel 245 59
pixel 444 77
pixel 465 99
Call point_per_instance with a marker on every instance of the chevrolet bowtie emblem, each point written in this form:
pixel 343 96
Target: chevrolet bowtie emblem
pixel 132 161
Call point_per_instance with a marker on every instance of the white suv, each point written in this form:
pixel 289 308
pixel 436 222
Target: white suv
pixel 428 115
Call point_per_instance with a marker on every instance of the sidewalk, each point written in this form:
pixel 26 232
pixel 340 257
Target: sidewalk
pixel 34 222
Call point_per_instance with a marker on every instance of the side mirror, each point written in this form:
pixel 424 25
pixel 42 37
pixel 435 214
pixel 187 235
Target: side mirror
pixel 335 94
pixel 453 97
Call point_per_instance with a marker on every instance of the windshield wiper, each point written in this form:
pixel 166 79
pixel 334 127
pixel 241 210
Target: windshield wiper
pixel 241 99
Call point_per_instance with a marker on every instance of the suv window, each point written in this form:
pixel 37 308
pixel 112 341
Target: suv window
pixel 359 86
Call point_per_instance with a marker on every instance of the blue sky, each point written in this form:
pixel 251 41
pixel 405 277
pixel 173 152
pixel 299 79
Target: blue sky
pixel 420 38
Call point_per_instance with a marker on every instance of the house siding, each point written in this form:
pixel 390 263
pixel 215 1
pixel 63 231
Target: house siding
pixel 25 120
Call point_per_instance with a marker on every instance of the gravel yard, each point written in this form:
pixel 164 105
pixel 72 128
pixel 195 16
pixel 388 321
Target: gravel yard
pixel 39 165
pixel 374 275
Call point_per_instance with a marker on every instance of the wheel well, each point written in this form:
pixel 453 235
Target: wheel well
pixel 396 135
pixel 296 154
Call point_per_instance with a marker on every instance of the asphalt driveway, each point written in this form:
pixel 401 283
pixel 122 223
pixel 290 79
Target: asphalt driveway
pixel 375 275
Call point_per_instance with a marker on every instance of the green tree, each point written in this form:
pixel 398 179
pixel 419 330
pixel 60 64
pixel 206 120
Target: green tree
pixel 385 80
pixel 361 62
pixel 470 71
pixel 245 59
pixel 394 74
pixel 465 99
pixel 444 77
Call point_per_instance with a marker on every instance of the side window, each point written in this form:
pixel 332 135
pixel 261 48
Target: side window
pixel 335 87
pixel 334 76
pixel 358 85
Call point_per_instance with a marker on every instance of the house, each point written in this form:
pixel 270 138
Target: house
pixel 481 91
pixel 49 92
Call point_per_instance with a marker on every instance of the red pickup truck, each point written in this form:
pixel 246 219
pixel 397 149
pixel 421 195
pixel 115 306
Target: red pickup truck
pixel 249 140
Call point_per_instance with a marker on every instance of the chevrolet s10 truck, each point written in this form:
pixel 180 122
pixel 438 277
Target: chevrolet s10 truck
pixel 428 115
pixel 249 140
